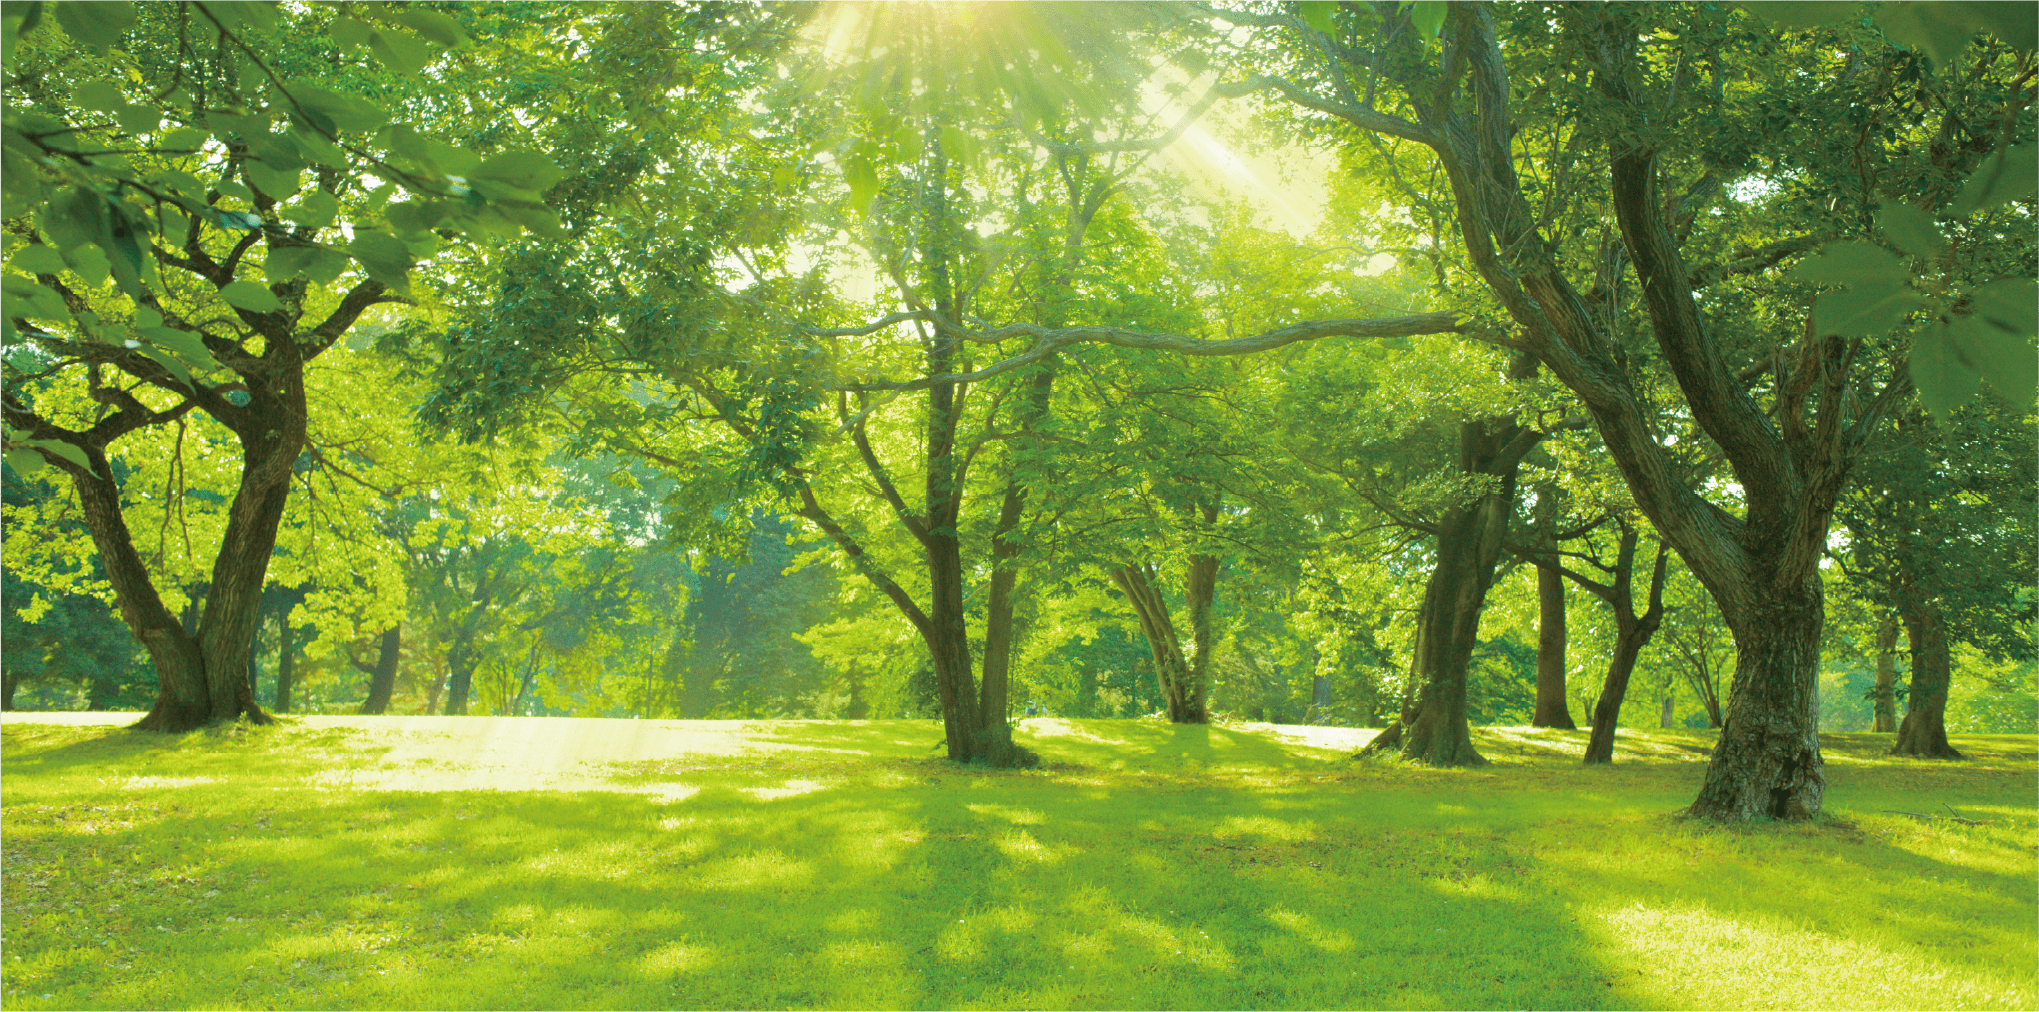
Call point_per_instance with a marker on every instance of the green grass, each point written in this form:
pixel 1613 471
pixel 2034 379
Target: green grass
pixel 1147 866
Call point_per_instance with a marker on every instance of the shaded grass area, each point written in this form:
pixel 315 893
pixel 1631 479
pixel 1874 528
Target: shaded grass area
pixel 1147 866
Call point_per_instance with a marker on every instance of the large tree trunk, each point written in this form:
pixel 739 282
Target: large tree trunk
pixel 1790 458
pixel 184 699
pixel 1767 763
pixel 461 661
pixel 286 662
pixel 382 677
pixel 1470 536
pixel 995 707
pixel 1924 731
pixel 1885 694
pixel 1552 709
pixel 204 678
pixel 1200 589
pixel 9 681
pixel 1182 691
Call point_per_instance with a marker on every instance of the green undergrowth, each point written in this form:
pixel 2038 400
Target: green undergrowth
pixel 846 865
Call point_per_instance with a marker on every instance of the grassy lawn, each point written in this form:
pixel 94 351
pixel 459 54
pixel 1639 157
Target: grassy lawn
pixel 312 865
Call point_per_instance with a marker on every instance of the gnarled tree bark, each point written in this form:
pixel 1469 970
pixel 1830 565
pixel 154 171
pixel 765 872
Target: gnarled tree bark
pixel 1924 731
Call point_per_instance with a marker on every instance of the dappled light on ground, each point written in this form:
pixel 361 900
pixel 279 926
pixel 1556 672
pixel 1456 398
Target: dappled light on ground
pixel 809 865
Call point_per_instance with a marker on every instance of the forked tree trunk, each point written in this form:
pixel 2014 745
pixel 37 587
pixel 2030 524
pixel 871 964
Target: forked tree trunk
pixel 382 677
pixel 1433 728
pixel 1629 639
pixel 1632 632
pixel 1552 709
pixel 1181 677
pixel 1005 551
pixel 1885 694
pixel 201 678
pixel 1924 731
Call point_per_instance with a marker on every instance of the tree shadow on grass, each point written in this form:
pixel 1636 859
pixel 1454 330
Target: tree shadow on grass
pixel 922 887
pixel 802 880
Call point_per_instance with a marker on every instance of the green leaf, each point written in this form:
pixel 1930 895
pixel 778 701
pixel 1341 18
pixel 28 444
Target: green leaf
pixel 1943 379
pixel 96 26
pixel 24 462
pixel 170 362
pixel 1851 263
pixel 74 217
pixel 2011 23
pixel 2007 361
pixel 385 258
pixel 274 182
pixel 319 265
pixel 1911 229
pixel 317 148
pixel 415 215
pixel 434 157
pixel 432 25
pixel 183 139
pixel 2010 303
pixel 1864 311
pixel 960 144
pixel 182 343
pixel 251 296
pixel 90 263
pixel 1795 17
pixel 37 259
pixel 140 119
pixel 326 267
pixel 401 52
pixel 287 262
pixel 1428 17
pixel 527 170
pixel 2010 174
pixel 29 300
pixel 316 209
pixel 59 448
pixel 239 15
pixel 1320 14
pixel 349 32
pixel 239 219
pixel 862 180
pixel 100 94
pixel 340 111
pixel 1926 29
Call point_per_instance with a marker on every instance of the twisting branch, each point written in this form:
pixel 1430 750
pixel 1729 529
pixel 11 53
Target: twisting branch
pixel 1047 342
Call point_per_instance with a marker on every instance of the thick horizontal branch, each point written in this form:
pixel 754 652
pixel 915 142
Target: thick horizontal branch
pixel 1047 342
pixel 1365 119
pixel 868 328
pixel 1761 258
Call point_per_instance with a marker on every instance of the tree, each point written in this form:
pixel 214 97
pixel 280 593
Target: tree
pixel 766 422
pixel 1669 148
pixel 1632 629
pixel 1939 524
pixel 118 116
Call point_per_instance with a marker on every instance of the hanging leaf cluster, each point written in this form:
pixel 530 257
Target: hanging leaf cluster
pixel 1963 337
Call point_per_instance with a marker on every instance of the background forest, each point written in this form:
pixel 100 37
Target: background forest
pixel 737 361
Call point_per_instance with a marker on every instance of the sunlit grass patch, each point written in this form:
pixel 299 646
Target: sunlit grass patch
pixel 1145 866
